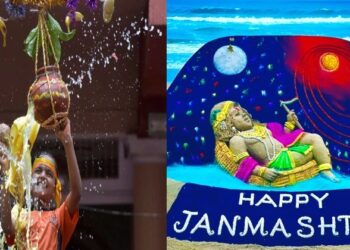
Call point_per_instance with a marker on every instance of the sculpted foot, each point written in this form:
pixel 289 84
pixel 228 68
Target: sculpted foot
pixel 330 176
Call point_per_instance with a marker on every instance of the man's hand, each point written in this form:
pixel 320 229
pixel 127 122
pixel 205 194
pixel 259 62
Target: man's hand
pixel 75 186
pixel 4 163
pixel 64 134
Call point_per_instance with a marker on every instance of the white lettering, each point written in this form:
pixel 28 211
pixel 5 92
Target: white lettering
pixel 187 221
pixel 300 232
pixel 223 220
pixel 333 225
pixel 249 225
pixel 301 199
pixel 346 219
pixel 205 225
pixel 279 226
pixel 289 199
pixel 320 200
pixel 266 199
pixel 242 198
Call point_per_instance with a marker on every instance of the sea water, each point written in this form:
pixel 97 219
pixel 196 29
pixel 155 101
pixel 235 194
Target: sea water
pixel 191 24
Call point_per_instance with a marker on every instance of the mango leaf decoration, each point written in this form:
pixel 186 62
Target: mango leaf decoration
pixel 57 35
pixel 33 40
pixel 30 44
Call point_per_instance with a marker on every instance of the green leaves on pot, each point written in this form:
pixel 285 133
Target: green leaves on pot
pixel 57 35
pixel 30 44
pixel 52 39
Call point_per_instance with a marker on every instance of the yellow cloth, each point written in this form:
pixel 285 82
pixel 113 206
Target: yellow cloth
pixel 20 165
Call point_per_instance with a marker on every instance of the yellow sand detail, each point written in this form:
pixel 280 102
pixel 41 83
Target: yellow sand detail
pixel 225 159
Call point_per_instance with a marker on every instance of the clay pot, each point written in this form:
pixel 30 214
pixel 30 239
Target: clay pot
pixel 50 96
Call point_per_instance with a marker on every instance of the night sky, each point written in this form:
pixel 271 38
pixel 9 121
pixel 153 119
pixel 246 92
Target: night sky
pixel 278 68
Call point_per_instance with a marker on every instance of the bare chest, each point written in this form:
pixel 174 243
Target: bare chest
pixel 262 146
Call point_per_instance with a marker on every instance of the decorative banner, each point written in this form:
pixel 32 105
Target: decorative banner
pixel 203 213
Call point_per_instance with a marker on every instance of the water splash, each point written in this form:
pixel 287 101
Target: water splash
pixel 103 52
pixel 23 132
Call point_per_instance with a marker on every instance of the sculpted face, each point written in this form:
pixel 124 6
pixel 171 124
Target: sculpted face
pixel 236 119
pixel 240 118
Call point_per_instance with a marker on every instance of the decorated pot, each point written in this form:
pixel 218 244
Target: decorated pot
pixel 50 97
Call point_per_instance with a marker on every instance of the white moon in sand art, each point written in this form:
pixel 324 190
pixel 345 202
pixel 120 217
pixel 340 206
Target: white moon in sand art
pixel 230 60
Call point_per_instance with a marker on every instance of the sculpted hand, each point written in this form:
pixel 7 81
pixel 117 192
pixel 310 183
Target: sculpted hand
pixel 292 117
pixel 270 174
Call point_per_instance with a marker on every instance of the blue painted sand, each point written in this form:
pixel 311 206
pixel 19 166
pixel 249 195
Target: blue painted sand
pixel 212 175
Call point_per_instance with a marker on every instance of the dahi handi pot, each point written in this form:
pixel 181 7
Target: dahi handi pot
pixel 50 97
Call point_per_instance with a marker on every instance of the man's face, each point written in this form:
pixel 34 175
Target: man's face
pixel 43 183
pixel 240 118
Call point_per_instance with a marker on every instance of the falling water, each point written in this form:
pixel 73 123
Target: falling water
pixel 20 169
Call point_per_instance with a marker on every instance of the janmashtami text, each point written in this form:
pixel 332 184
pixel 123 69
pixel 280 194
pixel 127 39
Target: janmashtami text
pixel 237 225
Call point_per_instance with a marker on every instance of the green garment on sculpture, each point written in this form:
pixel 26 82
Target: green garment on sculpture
pixel 284 160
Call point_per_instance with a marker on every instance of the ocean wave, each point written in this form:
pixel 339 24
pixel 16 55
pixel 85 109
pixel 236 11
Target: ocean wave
pixel 222 11
pixel 210 29
pixel 188 48
pixel 179 40
pixel 347 38
pixel 262 20
pixel 259 11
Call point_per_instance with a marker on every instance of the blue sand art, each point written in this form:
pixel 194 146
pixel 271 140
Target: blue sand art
pixel 215 206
